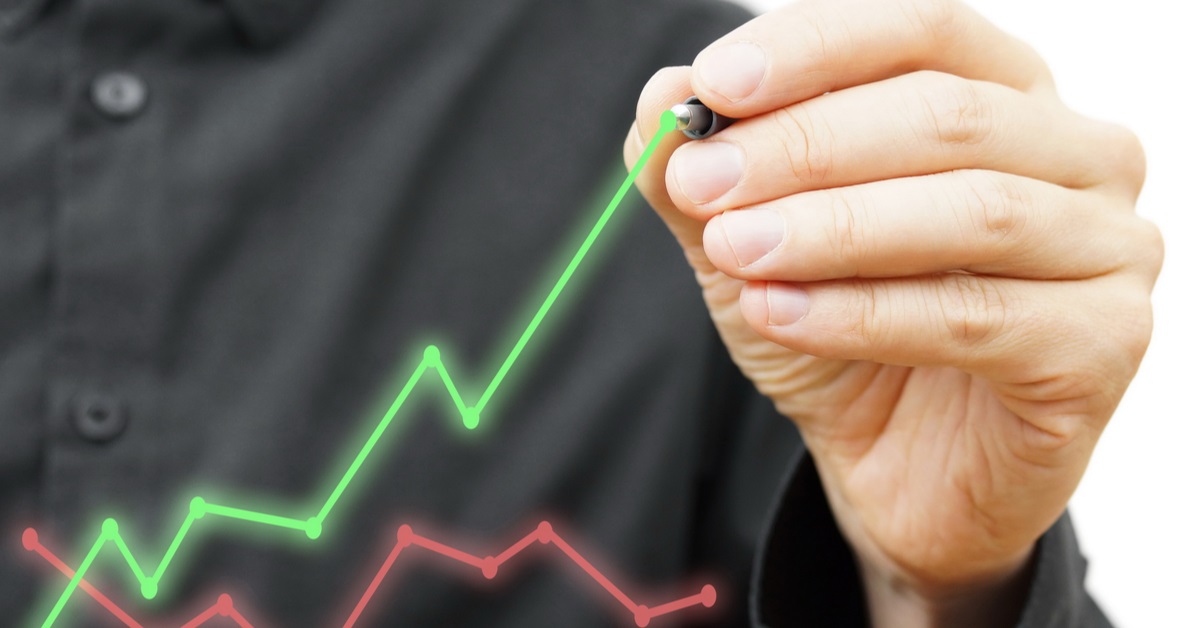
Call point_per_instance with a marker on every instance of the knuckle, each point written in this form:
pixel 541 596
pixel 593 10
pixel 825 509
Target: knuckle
pixel 1145 330
pixel 806 147
pixel 1130 155
pixel 937 20
pixel 1131 320
pixel 1037 78
pixel 1142 249
pixel 1141 326
pixel 825 31
pixel 998 207
pixel 866 326
pixel 1114 356
pixel 847 228
pixel 1155 247
pixel 973 309
pixel 957 112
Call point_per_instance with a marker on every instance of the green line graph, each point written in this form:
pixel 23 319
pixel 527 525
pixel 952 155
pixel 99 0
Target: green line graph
pixel 200 509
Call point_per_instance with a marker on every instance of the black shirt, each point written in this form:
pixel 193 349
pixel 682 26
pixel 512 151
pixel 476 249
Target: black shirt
pixel 228 230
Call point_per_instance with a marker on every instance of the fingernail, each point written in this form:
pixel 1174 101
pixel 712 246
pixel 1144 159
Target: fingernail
pixel 786 304
pixel 734 70
pixel 704 171
pixel 752 233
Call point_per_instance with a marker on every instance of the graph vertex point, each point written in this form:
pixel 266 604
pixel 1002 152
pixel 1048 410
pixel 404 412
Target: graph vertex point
pixel 29 539
pixel 224 605
pixel 404 535
pixel 432 355
pixel 471 418
pixel 149 589
pixel 110 528
pixel 544 532
pixel 197 507
pixel 489 567
pixel 641 616
pixel 312 528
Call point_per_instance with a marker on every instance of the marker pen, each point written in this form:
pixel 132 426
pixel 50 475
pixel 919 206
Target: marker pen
pixel 696 120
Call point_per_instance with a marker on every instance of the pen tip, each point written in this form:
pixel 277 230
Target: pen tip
pixel 683 116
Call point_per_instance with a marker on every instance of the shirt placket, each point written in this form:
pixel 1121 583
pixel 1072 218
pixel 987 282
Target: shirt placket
pixel 102 460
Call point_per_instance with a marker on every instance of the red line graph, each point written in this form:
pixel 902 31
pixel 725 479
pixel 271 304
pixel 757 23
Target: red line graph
pixel 488 566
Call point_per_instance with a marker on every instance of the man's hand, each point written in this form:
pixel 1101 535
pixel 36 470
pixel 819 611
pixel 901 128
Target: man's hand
pixel 929 263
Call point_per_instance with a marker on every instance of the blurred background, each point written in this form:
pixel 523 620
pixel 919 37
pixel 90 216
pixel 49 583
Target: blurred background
pixel 1138 509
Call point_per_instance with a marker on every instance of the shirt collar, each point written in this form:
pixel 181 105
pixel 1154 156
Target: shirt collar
pixel 16 15
pixel 264 22
pixel 270 22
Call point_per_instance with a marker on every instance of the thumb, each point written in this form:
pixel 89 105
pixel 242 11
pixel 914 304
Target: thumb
pixel 668 87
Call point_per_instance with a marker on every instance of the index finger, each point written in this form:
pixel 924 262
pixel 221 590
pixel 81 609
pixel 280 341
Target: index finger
pixel 817 46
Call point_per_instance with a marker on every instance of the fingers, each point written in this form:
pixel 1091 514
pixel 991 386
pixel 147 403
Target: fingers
pixel 914 124
pixel 818 46
pixel 973 220
pixel 1007 330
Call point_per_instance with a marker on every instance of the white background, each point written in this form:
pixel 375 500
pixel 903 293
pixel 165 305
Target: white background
pixel 1138 63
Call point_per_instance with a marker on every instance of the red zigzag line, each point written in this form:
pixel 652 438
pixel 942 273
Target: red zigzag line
pixel 405 537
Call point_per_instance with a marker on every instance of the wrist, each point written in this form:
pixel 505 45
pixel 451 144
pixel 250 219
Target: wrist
pixel 993 600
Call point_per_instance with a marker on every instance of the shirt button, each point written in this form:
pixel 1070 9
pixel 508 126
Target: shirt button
pixel 99 418
pixel 119 94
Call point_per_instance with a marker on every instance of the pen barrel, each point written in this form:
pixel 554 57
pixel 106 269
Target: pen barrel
pixel 703 122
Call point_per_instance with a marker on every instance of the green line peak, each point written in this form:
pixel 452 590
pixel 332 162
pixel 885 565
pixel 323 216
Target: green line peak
pixel 198 508
pixel 312 528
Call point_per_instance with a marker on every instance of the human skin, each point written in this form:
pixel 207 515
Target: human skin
pixel 929 263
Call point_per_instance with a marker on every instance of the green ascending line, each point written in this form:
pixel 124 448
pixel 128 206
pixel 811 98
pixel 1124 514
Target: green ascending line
pixel 312 526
